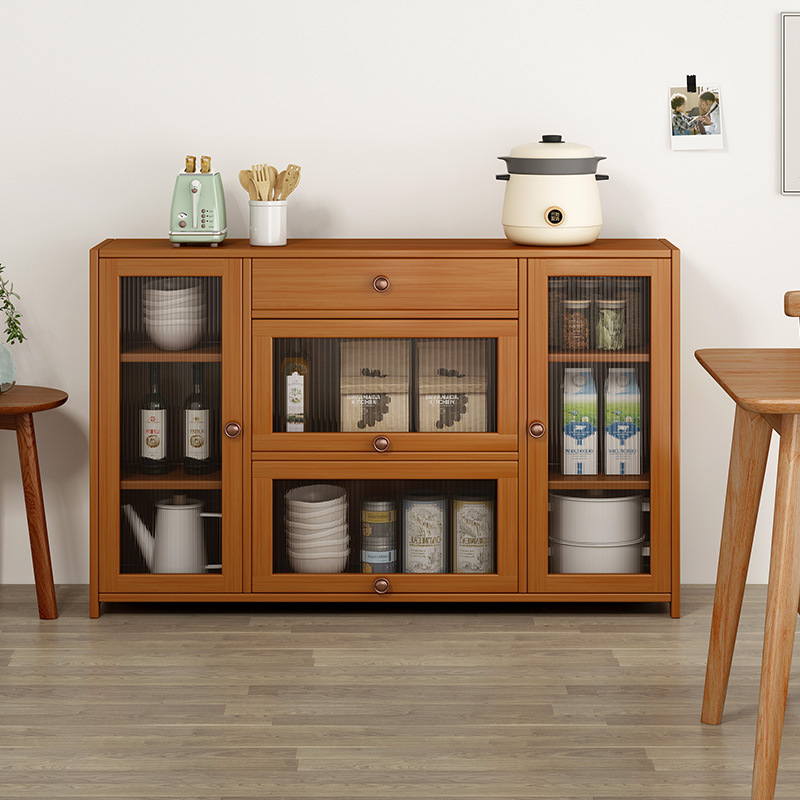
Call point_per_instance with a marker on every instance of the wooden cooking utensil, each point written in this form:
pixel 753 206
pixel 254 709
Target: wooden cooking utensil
pixel 246 179
pixel 273 179
pixel 290 180
pixel 279 185
pixel 262 180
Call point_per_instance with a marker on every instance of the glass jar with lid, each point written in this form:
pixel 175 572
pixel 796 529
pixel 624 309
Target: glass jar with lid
pixel 557 292
pixel 633 290
pixel 576 324
pixel 610 325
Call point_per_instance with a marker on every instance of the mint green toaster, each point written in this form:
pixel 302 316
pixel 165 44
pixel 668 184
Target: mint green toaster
pixel 198 213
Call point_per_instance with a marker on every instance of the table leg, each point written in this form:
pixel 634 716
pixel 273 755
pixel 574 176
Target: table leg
pixel 781 619
pixel 749 451
pixel 37 526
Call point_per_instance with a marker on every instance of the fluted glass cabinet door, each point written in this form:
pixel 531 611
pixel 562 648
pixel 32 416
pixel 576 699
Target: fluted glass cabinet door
pixel 391 385
pixel 172 387
pixel 599 432
pixel 379 527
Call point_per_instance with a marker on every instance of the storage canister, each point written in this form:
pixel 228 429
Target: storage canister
pixel 595 534
pixel 610 325
pixel 473 534
pixel 425 533
pixel 378 535
pixel 556 294
pixel 576 324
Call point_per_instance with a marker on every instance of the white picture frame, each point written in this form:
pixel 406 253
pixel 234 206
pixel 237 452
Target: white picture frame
pixel 790 103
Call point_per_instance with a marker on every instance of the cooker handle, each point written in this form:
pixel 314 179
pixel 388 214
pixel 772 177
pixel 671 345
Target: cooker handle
pixel 503 177
pixel 601 177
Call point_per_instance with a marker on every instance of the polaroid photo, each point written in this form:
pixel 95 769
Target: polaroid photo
pixel 695 118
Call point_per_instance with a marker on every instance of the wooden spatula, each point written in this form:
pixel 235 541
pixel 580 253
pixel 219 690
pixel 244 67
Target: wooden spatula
pixel 279 185
pixel 290 180
pixel 246 179
pixel 273 179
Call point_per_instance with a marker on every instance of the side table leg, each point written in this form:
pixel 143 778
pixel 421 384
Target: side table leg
pixel 781 619
pixel 37 526
pixel 749 451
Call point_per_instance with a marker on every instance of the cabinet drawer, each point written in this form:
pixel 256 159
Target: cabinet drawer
pixel 476 284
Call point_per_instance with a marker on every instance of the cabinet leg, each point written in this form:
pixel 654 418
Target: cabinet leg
pixel 782 601
pixel 749 451
pixel 37 526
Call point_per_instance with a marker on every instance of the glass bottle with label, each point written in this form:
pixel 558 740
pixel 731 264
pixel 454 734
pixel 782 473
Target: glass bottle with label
pixel 153 428
pixel 295 391
pixel 196 432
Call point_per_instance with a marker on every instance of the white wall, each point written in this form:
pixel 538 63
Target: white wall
pixel 396 112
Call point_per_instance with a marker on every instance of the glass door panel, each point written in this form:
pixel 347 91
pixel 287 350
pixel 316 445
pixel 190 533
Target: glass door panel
pixel 598 389
pixel 170 442
pixel 317 391
pixel 336 526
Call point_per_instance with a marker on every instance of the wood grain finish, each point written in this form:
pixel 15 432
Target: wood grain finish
pixel 766 381
pixel 791 304
pixel 342 284
pixel 749 451
pixel 547 702
pixel 781 619
pixel 17 407
pixel 439 288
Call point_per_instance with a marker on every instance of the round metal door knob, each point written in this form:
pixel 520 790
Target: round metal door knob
pixel 381 283
pixel 536 429
pixel 232 430
pixel 381 585
pixel 381 444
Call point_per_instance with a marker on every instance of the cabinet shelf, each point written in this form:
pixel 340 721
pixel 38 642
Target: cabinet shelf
pixel 173 480
pixel 594 355
pixel 557 481
pixel 148 353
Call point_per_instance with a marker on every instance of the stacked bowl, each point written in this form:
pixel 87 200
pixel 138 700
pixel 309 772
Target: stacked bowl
pixel 174 312
pixel 317 538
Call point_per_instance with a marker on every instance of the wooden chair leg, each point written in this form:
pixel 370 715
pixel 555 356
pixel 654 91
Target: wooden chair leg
pixel 782 600
pixel 749 451
pixel 37 525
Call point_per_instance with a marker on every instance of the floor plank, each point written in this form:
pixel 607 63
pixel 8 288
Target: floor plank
pixel 497 702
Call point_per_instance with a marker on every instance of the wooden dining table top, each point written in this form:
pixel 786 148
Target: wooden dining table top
pixel 763 380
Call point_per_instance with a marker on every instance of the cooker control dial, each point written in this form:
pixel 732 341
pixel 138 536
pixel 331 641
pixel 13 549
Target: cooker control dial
pixel 554 216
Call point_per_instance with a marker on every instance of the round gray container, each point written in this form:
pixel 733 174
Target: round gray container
pixel 595 534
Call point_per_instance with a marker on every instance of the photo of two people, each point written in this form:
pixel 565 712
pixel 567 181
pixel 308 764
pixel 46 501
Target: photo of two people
pixel 694 115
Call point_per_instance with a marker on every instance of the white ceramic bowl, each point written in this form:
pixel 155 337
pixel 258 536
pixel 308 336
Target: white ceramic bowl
pixel 324 562
pixel 175 336
pixel 173 287
pixel 315 548
pixel 336 516
pixel 312 538
pixel 317 495
pixel 337 519
pixel 173 311
pixel 173 305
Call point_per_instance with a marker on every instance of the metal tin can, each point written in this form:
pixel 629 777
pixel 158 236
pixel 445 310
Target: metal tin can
pixel 473 534
pixel 425 533
pixel 378 535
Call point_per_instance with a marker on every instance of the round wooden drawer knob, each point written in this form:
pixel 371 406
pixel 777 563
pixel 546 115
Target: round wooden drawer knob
pixel 536 429
pixel 381 585
pixel 381 283
pixel 381 444
pixel 232 430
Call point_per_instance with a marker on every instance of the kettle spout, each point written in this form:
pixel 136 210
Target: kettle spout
pixel 144 538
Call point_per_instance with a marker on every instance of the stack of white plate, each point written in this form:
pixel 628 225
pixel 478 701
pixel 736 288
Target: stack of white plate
pixel 174 312
pixel 317 539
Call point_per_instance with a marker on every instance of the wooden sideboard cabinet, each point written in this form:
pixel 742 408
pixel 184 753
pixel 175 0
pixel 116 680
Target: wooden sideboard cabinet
pixel 384 420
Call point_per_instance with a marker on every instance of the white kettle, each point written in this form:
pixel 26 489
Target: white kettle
pixel 552 197
pixel 178 545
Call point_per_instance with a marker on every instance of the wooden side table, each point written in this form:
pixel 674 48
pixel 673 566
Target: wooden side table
pixel 17 407
pixel 765 385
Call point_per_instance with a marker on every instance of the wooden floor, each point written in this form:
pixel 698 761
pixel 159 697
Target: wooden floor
pixel 421 702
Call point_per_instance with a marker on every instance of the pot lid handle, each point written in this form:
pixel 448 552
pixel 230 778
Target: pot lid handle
pixel 551 138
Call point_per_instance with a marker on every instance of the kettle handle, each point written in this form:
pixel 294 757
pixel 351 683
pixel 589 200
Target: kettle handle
pixel 502 177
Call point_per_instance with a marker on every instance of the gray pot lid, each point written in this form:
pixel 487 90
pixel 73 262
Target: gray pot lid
pixel 551 156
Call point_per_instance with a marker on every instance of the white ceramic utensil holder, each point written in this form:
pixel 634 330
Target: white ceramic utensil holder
pixel 268 222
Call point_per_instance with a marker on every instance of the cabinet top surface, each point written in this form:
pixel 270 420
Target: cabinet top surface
pixel 385 248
